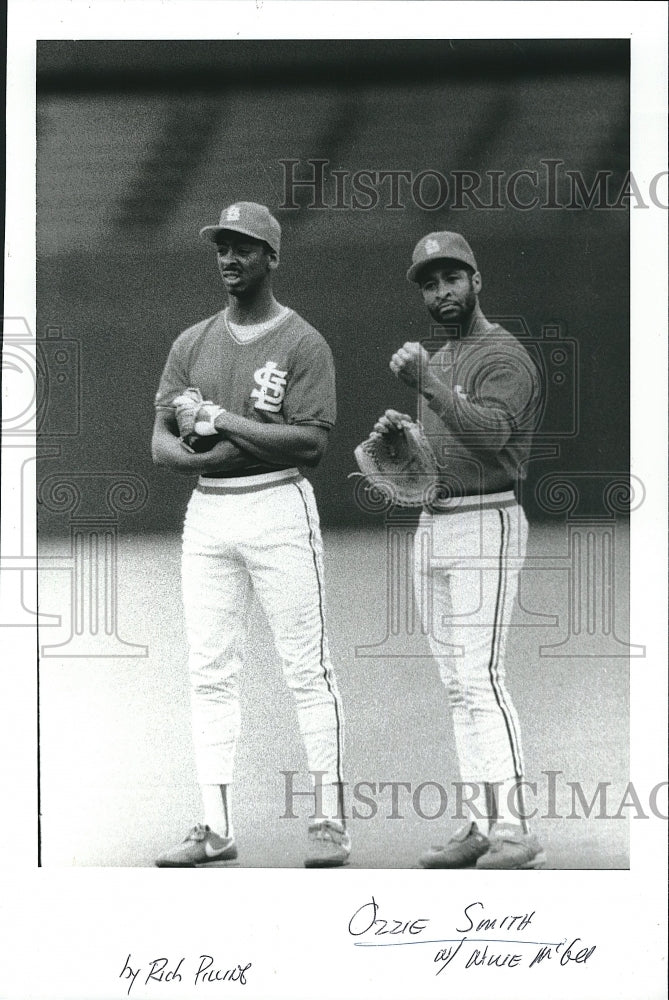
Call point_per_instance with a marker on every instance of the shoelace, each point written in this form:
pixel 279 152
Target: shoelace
pixel 326 831
pixel 504 836
pixel 198 833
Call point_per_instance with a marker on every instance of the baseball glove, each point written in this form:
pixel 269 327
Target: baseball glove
pixel 195 418
pixel 399 463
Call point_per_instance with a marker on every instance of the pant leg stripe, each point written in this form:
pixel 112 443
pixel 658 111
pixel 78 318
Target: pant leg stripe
pixel 324 667
pixel 496 641
pixel 520 769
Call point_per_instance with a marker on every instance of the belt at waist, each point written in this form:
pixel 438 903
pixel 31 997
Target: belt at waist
pixel 484 501
pixel 248 484
pixel 260 470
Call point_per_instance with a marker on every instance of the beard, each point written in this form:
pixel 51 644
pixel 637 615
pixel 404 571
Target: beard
pixel 461 310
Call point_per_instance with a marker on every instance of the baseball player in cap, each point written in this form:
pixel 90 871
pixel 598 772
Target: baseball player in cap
pixel 256 383
pixel 479 394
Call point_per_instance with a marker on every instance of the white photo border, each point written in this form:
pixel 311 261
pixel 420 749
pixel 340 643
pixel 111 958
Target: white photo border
pixel 67 933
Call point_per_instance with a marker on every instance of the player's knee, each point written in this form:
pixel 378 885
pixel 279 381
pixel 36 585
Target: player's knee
pixel 209 680
pixel 455 692
pixel 470 692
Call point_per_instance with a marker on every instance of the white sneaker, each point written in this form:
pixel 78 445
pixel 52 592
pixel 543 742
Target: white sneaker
pixel 329 845
pixel 201 847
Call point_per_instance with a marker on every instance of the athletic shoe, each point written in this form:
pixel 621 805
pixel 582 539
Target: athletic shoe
pixel 463 850
pixel 329 845
pixel 201 847
pixel 511 848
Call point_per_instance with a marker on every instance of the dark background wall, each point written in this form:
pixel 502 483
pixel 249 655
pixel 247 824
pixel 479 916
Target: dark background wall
pixel 140 144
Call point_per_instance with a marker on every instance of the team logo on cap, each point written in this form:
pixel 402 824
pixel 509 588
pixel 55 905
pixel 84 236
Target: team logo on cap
pixel 232 214
pixel 431 246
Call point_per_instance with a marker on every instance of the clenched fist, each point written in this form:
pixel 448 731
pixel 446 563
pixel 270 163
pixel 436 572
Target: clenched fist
pixel 409 364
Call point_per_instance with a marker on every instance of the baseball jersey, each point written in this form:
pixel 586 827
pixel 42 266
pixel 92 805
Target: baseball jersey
pixel 481 426
pixel 283 375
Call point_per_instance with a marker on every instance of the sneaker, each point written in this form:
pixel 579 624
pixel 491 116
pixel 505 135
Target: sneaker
pixel 463 850
pixel 201 847
pixel 510 848
pixel 329 845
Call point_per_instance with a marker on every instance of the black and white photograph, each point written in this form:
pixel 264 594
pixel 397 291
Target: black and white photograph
pixel 424 231
pixel 335 543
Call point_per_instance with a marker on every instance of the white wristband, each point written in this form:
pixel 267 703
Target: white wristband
pixel 207 414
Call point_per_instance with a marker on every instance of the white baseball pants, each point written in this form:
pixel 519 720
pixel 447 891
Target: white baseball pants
pixel 261 534
pixel 466 565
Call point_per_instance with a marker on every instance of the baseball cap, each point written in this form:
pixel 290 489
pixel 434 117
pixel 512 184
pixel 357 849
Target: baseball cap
pixel 249 218
pixel 437 245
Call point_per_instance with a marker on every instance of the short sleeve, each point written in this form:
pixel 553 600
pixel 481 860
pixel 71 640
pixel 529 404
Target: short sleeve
pixel 174 379
pixel 311 392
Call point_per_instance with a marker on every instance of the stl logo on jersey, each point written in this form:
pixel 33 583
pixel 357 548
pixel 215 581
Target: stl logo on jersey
pixel 271 387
